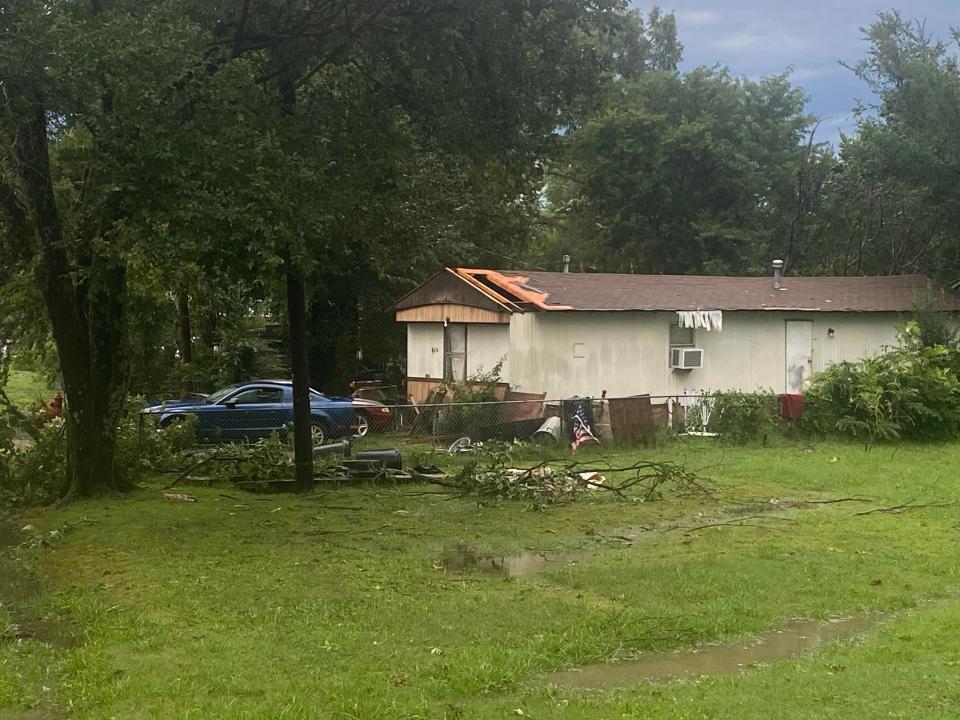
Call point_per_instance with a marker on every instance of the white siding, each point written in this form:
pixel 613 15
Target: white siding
pixel 626 353
pixel 425 350
pixel 486 346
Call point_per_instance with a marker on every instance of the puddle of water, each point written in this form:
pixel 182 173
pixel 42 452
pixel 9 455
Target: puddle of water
pixel 463 558
pixel 792 641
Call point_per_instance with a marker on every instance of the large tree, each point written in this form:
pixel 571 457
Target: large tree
pixel 251 136
pixel 894 205
pixel 687 172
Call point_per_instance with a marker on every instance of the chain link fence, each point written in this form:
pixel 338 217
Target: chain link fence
pixel 455 426
pixel 628 420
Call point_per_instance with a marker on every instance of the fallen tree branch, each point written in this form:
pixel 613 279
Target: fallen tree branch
pixel 558 481
pixel 852 498
pixel 738 522
pixel 906 507
pixel 201 463
pixel 734 522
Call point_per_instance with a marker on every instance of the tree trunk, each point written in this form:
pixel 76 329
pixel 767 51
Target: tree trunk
pixel 91 442
pixel 95 379
pixel 297 316
pixel 300 364
pixel 186 336
pixel 87 311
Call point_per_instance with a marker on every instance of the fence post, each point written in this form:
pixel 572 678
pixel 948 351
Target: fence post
pixel 434 427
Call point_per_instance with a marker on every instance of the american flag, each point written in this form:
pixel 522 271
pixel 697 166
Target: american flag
pixel 582 435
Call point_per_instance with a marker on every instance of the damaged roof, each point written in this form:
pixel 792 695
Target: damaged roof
pixel 530 290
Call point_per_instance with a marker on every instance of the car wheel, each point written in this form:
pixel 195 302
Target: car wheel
pixel 173 421
pixel 318 433
pixel 362 425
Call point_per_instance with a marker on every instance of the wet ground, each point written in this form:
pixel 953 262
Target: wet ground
pixel 463 558
pixel 20 591
pixel 793 641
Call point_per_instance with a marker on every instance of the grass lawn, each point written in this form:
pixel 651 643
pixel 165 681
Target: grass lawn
pixel 338 604
pixel 25 387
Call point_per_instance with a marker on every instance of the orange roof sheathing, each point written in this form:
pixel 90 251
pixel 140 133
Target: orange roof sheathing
pixel 516 285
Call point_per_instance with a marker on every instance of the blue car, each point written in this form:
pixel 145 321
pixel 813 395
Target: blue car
pixel 252 410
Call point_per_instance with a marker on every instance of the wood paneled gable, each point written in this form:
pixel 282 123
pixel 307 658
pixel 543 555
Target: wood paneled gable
pixel 447 296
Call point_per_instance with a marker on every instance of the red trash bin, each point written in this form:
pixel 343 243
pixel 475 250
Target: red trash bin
pixel 791 405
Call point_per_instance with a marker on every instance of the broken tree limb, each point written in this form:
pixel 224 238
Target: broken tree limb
pixel 739 522
pixel 852 498
pixel 908 506
pixel 565 480
pixel 203 462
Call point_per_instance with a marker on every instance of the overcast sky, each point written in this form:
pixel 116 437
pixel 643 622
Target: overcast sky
pixel 763 37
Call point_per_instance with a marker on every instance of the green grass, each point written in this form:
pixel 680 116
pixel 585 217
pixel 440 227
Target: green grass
pixel 25 387
pixel 336 605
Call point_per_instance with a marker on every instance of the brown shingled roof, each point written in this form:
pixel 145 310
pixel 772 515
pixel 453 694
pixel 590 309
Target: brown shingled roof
pixel 607 291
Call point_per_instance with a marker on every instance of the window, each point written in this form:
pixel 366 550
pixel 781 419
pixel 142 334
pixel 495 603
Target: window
pixel 680 336
pixel 258 396
pixel 455 352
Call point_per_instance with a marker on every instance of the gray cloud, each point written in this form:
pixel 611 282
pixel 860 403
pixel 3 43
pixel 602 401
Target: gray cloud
pixel 764 37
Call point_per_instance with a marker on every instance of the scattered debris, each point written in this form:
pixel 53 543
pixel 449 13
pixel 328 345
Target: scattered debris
pixel 267 465
pixel 549 431
pixel 182 497
pixel 338 448
pixel 427 473
pixel 461 445
pixel 563 481
pixel 388 458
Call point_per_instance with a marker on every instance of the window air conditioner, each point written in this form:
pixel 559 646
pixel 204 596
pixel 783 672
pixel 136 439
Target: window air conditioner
pixel 686 358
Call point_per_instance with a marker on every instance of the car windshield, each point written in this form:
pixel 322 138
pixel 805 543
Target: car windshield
pixel 220 394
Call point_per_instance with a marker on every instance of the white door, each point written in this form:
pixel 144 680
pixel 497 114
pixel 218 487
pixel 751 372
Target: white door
pixel 799 354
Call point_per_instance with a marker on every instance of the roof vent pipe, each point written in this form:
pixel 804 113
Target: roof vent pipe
pixel 566 263
pixel 777 273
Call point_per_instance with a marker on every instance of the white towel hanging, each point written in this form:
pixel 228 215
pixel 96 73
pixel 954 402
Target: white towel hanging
pixel 697 319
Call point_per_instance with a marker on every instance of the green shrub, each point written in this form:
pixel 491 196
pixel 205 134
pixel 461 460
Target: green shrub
pixel 741 418
pixel 910 392
pixel 32 471
pixel 933 325
pixel 151 448
pixel 461 419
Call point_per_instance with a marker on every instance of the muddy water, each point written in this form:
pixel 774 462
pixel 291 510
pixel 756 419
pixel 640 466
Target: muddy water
pixel 462 558
pixel 792 641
